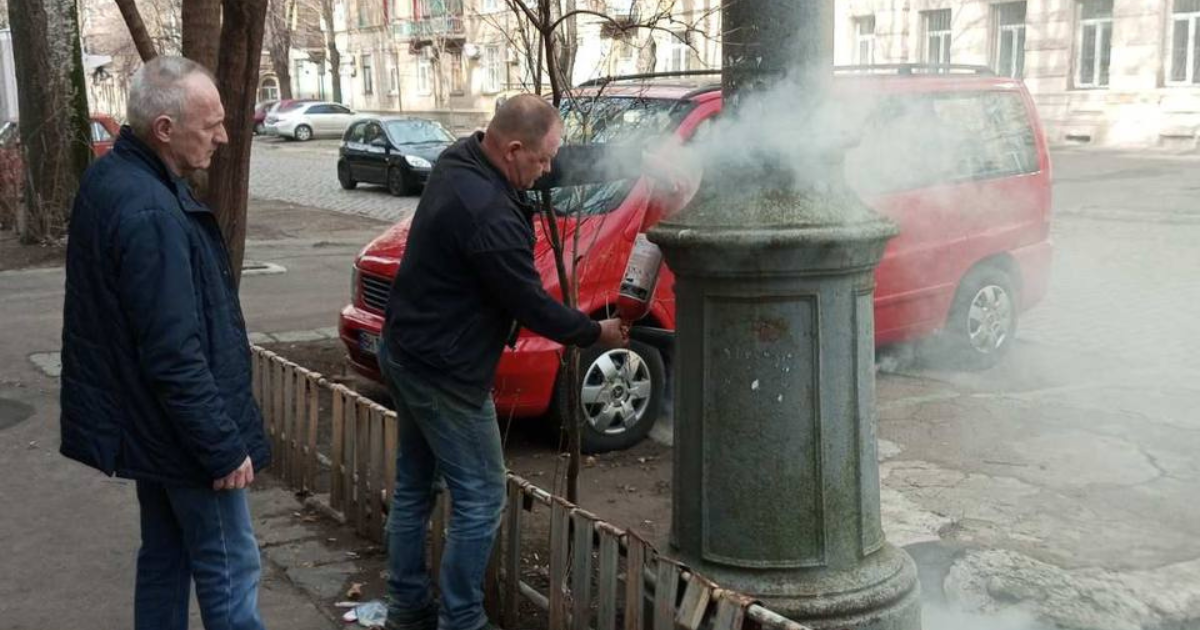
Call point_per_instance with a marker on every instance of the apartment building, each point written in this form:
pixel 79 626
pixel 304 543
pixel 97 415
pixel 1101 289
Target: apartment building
pixel 1107 72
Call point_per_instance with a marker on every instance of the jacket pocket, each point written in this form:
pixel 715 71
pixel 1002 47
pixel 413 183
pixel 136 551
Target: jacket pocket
pixel 464 335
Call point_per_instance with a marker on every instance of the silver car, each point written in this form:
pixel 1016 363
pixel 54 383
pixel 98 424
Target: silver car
pixel 305 121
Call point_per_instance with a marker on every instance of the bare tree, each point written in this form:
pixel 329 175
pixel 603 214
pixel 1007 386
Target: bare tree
pixel 279 42
pixel 201 22
pixel 241 44
pixel 335 56
pixel 52 99
pixel 137 29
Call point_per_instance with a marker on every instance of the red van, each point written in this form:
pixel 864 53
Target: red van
pixel 973 251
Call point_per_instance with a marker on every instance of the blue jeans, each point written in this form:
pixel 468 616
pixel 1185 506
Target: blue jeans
pixel 195 533
pixel 442 434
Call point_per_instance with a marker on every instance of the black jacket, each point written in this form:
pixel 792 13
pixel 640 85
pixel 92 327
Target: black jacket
pixel 156 366
pixel 467 279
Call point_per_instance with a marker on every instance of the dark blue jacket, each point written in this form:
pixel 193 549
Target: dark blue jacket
pixel 156 380
pixel 468 279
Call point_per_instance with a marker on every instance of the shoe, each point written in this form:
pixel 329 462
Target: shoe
pixel 420 620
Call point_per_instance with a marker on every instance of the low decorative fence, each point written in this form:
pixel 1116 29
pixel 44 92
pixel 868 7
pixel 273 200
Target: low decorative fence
pixel 596 575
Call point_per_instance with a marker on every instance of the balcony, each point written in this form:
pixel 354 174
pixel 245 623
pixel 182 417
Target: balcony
pixel 623 10
pixel 433 19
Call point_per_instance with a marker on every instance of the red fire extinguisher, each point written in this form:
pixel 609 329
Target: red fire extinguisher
pixel 640 280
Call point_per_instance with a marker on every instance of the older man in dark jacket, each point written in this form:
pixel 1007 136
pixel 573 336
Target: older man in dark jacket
pixel 156 365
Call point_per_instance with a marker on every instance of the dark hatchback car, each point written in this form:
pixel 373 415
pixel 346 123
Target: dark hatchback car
pixel 397 153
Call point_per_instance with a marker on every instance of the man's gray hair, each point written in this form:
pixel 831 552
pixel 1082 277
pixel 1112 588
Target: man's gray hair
pixel 157 89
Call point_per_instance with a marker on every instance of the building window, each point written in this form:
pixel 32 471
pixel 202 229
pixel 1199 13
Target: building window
pixel 424 77
pixel 493 69
pixel 362 5
pixel 864 40
pixel 488 6
pixel 368 72
pixel 393 79
pixel 937 36
pixel 1095 43
pixel 269 90
pixel 1009 20
pixel 455 70
pixel 679 53
pixel 1185 43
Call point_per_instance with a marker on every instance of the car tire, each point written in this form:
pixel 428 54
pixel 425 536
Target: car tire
pixel 397 182
pixel 344 178
pixel 303 133
pixel 982 325
pixel 639 385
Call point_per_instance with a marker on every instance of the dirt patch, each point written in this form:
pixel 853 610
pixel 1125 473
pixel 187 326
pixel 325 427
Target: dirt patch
pixel 14 255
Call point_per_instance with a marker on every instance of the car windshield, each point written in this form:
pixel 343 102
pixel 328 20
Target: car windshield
pixel 604 120
pixel 287 107
pixel 417 132
pixel 611 119
pixel 590 199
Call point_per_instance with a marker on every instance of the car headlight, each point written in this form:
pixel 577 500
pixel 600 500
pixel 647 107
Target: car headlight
pixel 417 162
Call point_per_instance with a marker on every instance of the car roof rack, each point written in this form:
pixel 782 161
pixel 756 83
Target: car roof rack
pixel 880 68
pixel 716 72
pixel 914 68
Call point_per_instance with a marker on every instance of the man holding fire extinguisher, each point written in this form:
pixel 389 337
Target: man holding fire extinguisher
pixel 466 283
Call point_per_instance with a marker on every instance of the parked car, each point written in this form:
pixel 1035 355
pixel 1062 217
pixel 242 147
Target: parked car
pixel 260 115
pixel 396 152
pixel 973 251
pixel 307 120
pixel 104 131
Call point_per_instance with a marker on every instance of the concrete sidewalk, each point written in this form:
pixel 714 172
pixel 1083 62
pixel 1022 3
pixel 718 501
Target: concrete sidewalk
pixel 70 535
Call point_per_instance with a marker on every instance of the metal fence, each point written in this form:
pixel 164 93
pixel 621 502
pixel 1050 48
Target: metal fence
pixel 596 575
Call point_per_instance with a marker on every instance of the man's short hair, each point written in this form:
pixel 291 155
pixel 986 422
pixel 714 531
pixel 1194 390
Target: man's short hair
pixel 158 89
pixel 526 118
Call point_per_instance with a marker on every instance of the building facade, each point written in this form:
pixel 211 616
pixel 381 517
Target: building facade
pixel 1122 73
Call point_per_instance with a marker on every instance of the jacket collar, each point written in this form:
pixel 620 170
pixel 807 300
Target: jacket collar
pixel 132 148
pixel 474 148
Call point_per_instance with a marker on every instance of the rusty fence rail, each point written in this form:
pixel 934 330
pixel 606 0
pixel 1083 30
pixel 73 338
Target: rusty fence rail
pixel 596 576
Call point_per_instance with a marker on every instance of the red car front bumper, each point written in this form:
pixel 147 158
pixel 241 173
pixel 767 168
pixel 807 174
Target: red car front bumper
pixel 525 378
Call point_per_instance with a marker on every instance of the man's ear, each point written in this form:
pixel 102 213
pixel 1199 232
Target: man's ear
pixel 161 128
pixel 512 147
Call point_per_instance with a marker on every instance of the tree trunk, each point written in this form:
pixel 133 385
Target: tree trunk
pixel 201 29
pixel 55 126
pixel 335 56
pixel 648 55
pixel 279 44
pixel 237 75
pixel 137 29
pixel 567 46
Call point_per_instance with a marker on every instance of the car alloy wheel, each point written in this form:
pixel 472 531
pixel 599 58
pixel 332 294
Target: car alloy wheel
pixel 990 319
pixel 616 391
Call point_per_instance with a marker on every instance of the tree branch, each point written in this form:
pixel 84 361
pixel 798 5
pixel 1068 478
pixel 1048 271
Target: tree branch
pixel 137 29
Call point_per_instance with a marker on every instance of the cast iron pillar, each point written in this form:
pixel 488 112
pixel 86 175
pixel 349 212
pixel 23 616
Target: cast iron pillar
pixel 776 481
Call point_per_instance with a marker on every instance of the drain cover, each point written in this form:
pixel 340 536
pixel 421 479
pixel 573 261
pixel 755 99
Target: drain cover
pixel 13 413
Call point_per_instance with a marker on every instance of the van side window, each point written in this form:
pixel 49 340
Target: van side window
pixel 992 136
pixel 923 140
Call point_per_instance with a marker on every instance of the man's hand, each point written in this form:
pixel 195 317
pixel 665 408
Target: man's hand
pixel 238 479
pixel 613 333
